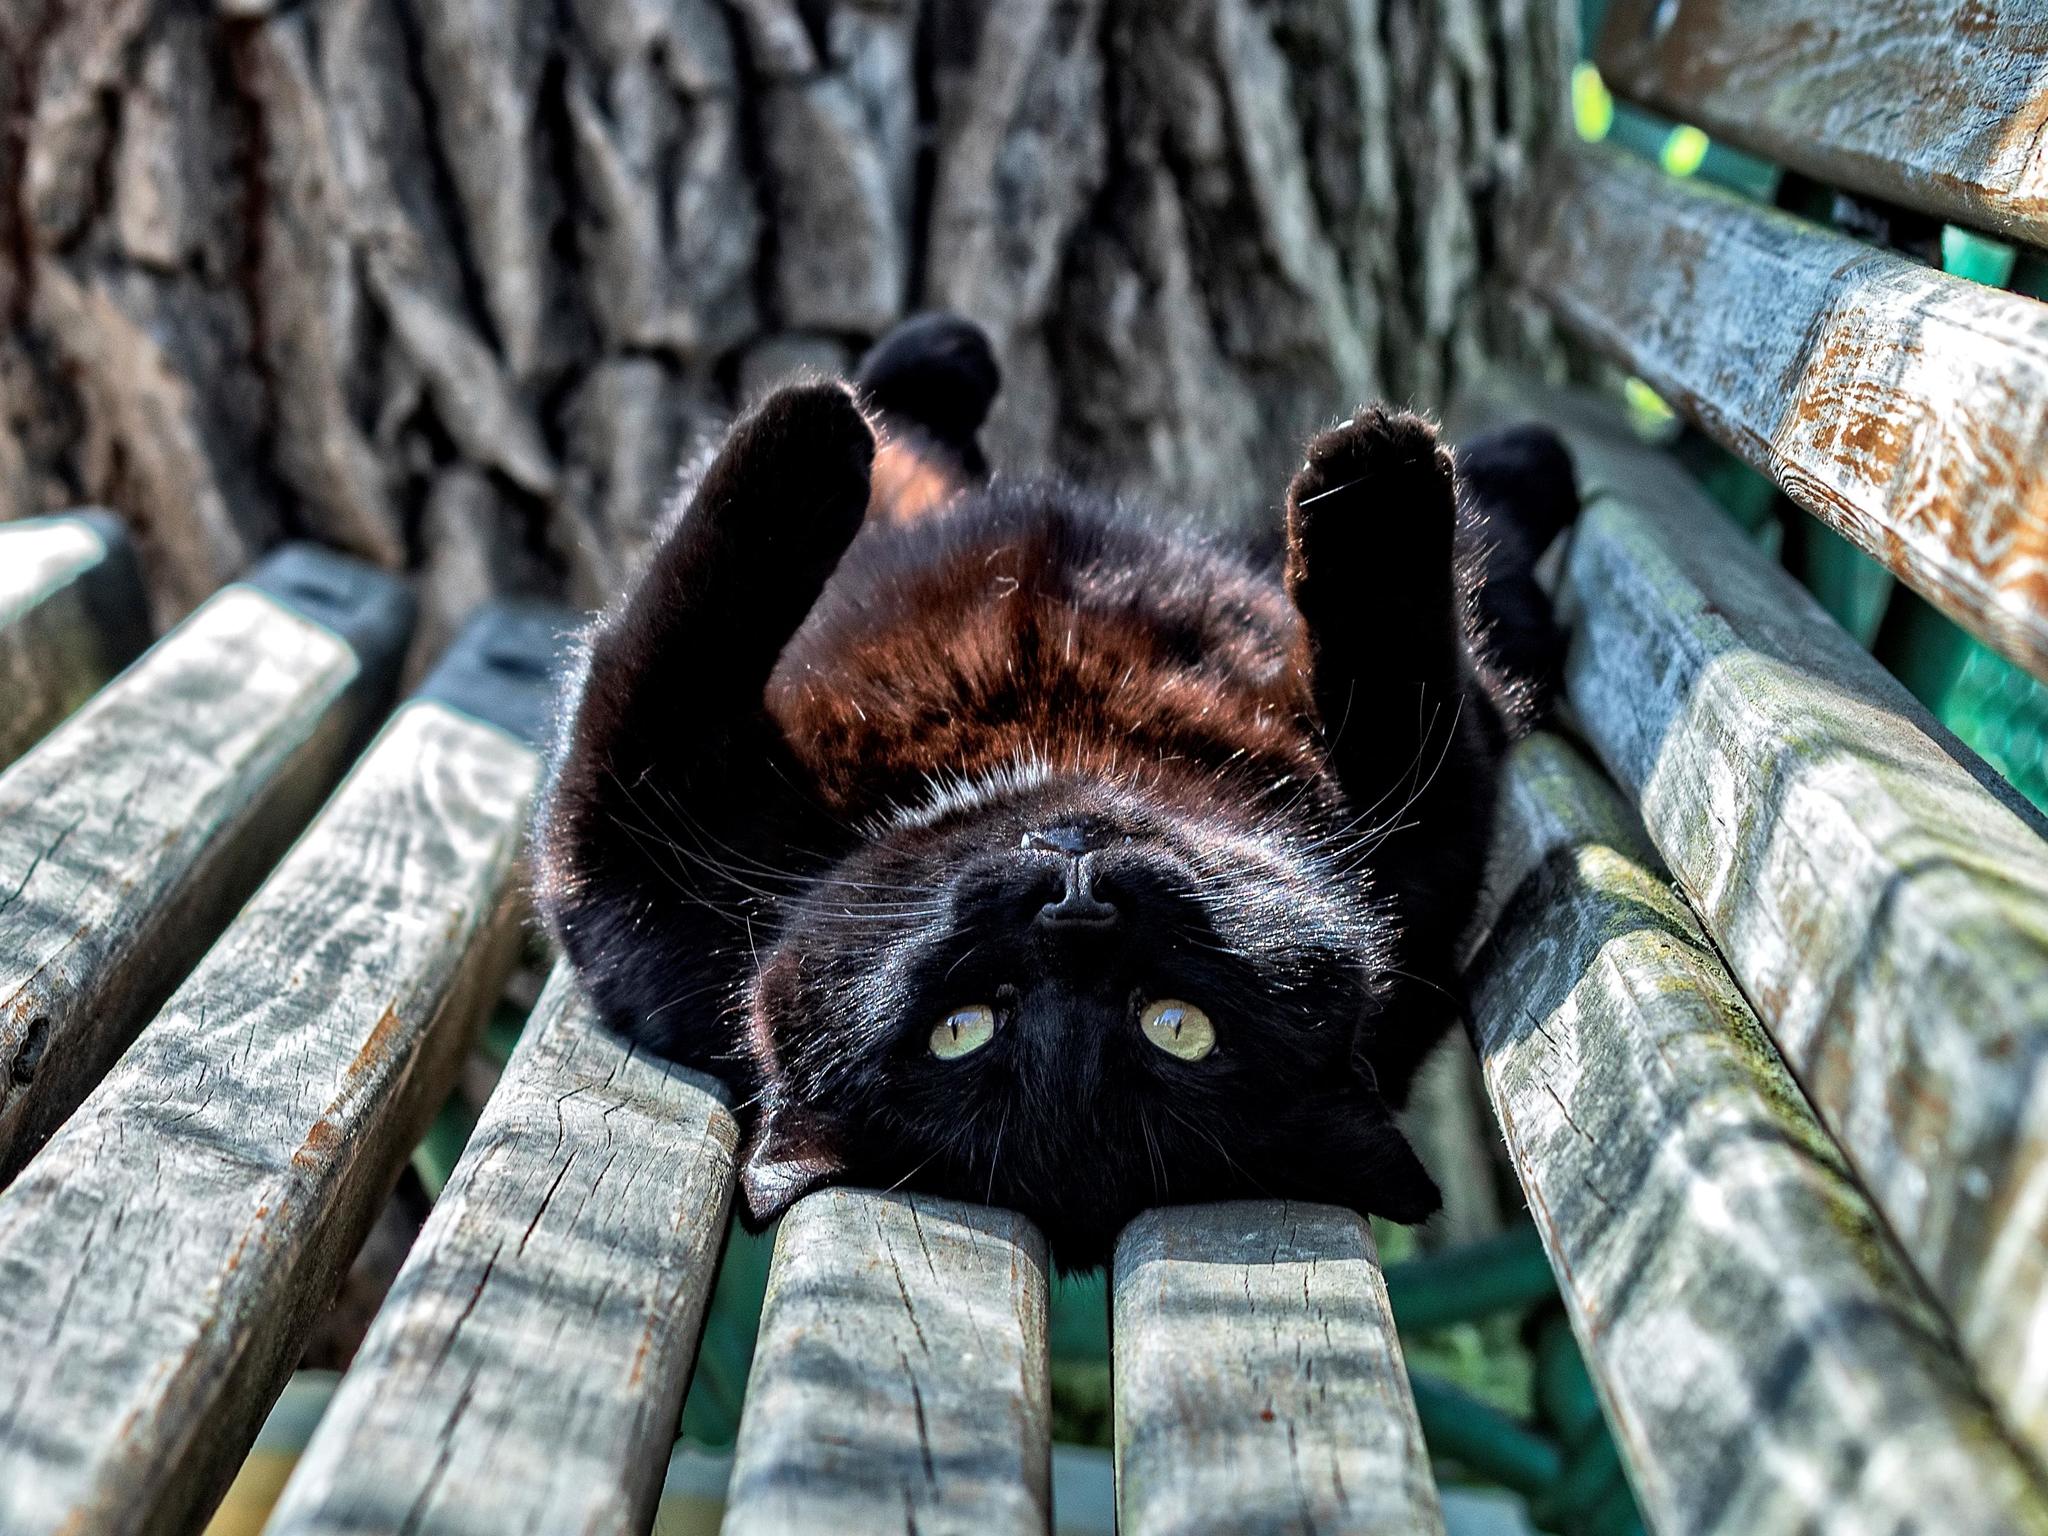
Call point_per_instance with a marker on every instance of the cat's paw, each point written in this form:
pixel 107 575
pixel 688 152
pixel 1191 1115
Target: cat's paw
pixel 796 469
pixel 1377 488
pixel 934 371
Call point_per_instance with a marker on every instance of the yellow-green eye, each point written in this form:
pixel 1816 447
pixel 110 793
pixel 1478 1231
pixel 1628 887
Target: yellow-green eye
pixel 1179 1029
pixel 963 1031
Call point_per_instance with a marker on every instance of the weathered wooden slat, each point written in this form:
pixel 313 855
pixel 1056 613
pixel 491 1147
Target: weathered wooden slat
pixel 131 833
pixel 1936 104
pixel 1259 1385
pixel 1905 408
pixel 1768 1359
pixel 71 616
pixel 164 1256
pixel 1883 911
pixel 527 1371
pixel 900 1380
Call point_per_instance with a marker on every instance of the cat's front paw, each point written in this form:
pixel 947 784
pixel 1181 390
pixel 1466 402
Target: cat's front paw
pixel 801 459
pixel 1377 489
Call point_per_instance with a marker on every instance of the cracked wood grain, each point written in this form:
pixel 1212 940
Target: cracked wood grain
pixel 1259 1384
pixel 900 1380
pixel 71 616
pixel 1905 408
pixel 132 832
pixel 1884 910
pixel 1941 105
pixel 165 1255
pixel 527 1370
pixel 1769 1361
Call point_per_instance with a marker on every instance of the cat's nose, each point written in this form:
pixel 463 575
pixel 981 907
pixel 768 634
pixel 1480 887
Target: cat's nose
pixel 1080 904
pixel 1072 838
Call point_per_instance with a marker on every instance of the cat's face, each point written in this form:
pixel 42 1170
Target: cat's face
pixel 1078 1001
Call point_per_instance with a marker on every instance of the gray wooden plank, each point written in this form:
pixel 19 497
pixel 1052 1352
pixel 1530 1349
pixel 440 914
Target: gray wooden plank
pixel 1905 408
pixel 71 616
pixel 1768 1360
pixel 165 1255
pixel 1885 913
pixel 526 1373
pixel 132 832
pixel 1258 1381
pixel 900 1380
pixel 1962 86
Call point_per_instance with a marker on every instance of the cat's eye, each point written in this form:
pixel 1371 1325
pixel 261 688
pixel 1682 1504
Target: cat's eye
pixel 1179 1029
pixel 963 1031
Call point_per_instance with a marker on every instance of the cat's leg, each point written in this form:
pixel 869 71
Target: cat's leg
pixel 938 374
pixel 1372 523
pixel 931 380
pixel 1371 529
pixel 735 574
pixel 1518 493
pixel 674 809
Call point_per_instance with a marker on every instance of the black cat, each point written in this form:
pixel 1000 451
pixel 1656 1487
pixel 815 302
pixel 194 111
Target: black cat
pixel 998 840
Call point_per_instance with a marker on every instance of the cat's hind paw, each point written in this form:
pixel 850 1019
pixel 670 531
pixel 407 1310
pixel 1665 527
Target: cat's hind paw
pixel 936 372
pixel 1374 493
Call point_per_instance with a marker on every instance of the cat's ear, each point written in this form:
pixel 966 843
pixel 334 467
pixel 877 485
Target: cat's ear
pixel 789 1155
pixel 1361 1160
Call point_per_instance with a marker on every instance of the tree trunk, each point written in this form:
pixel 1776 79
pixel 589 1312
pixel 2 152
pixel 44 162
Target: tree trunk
pixel 456 284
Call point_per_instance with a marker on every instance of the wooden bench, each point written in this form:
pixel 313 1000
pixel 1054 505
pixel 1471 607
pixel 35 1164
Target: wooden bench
pixel 70 618
pixel 164 1254
pixel 1765 1015
pixel 131 833
pixel 199 1137
pixel 1762 1008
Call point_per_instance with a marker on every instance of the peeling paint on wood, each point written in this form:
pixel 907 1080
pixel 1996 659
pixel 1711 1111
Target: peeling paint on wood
pixel 1941 105
pixel 900 1379
pixel 1767 1359
pixel 1905 408
pixel 165 1255
pixel 71 616
pixel 1883 911
pixel 132 832
pixel 1259 1384
pixel 526 1372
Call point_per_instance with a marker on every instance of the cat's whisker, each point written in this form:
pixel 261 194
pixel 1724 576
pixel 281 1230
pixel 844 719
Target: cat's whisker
pixel 721 871
pixel 920 1168
pixel 1395 970
pixel 691 896
pixel 738 859
pixel 1152 1154
pixel 690 995
pixel 995 1157
pixel 928 905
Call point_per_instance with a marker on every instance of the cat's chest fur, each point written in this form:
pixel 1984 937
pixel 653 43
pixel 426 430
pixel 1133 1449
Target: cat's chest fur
pixel 1027 625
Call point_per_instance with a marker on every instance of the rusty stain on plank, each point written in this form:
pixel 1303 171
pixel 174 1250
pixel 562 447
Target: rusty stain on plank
pixel 1906 408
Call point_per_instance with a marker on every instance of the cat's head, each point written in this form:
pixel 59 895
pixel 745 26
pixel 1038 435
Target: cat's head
pixel 1076 997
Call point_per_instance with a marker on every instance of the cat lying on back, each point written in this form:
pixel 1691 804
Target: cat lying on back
pixel 996 839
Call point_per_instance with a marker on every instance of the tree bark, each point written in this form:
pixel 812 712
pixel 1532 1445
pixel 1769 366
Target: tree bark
pixel 456 284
